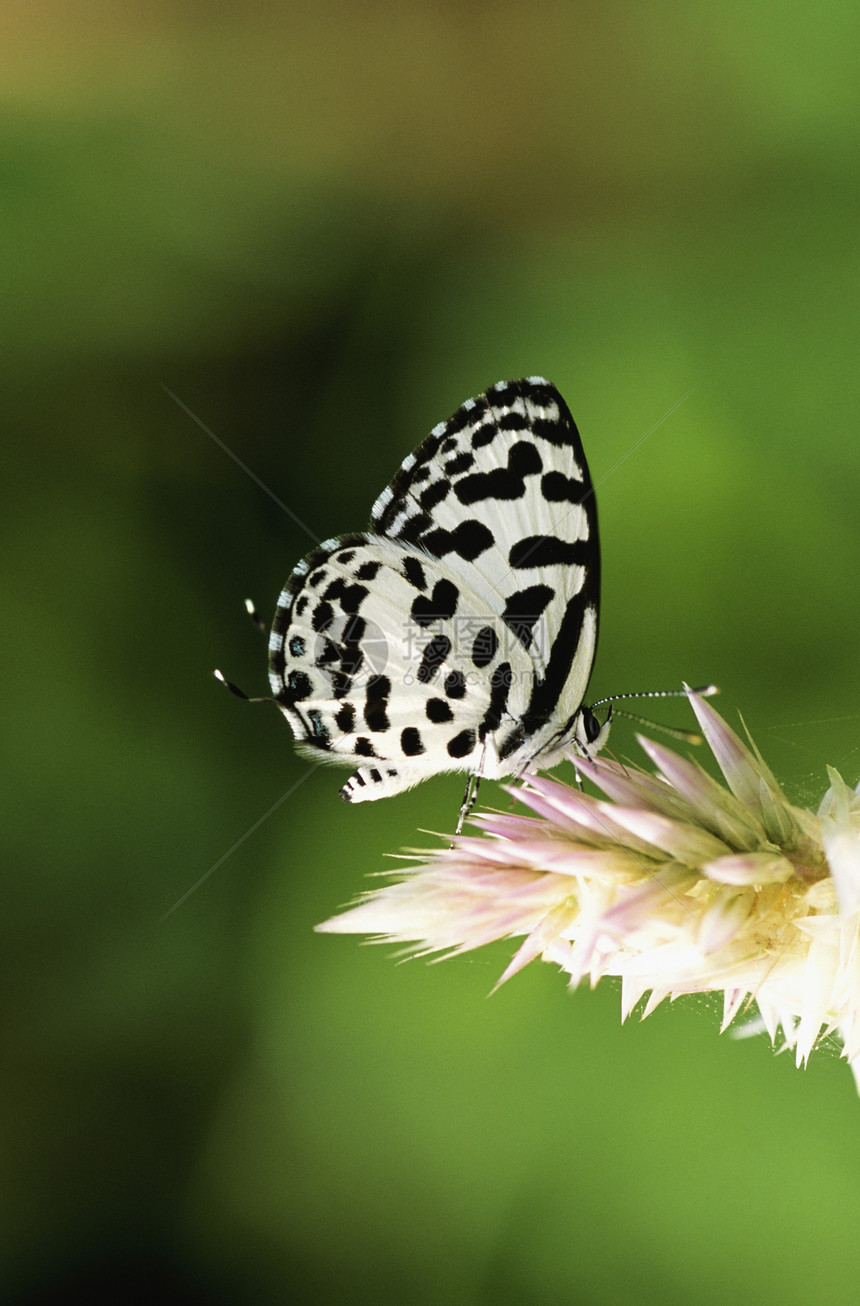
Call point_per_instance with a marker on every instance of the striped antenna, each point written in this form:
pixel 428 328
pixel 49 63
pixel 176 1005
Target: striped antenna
pixel 674 732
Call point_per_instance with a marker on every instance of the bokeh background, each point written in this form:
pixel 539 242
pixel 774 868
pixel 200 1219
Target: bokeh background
pixel 322 226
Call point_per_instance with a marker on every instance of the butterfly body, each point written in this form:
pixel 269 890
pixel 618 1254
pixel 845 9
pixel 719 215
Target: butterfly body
pixel 458 634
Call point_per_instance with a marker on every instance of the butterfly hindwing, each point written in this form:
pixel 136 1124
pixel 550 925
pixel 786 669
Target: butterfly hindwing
pixel 460 632
pixel 381 657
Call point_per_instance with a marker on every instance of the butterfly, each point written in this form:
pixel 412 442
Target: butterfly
pixel 459 632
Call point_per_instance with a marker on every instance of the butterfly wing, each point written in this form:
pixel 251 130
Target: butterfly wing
pixel 502 494
pixel 460 634
pixel 381 657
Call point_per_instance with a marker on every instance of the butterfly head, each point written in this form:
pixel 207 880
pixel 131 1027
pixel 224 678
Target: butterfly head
pixel 589 735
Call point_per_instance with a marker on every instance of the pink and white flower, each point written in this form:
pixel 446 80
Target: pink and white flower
pixel 672 881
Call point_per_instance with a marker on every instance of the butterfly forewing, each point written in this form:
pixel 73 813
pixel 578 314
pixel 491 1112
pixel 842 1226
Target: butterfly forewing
pixel 460 633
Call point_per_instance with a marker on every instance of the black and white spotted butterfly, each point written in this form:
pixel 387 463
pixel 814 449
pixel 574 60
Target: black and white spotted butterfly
pixel 459 632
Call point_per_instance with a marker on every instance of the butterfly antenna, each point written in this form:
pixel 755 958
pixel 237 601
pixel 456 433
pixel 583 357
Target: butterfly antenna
pixel 252 612
pixel 706 691
pixel 240 693
pixel 674 732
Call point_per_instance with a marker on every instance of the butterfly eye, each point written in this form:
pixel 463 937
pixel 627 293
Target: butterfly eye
pixel 590 724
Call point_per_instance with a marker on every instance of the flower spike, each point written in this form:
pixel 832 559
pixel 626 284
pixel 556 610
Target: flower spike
pixel 672 881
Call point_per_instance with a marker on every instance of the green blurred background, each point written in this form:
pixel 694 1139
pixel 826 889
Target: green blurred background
pixel 323 226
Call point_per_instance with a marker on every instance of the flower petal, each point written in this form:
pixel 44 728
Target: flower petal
pixel 716 808
pixel 841 842
pixel 544 933
pixel 631 787
pixel 749 868
pixel 682 841
pixel 723 918
pixel 597 817
pixel 743 771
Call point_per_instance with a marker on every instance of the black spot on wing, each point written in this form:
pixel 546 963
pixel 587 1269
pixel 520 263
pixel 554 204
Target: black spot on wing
pixel 351 654
pixel 411 742
pixel 459 464
pixel 322 617
pixel 484 646
pixel 511 421
pixel 341 684
pixel 549 551
pixel 440 606
pixel 500 687
pixel 553 431
pixel 558 488
pixel 434 494
pixel 376 704
pixel 506 483
pixel 349 594
pixel 298 686
pixel 328 652
pixel 344 719
pixel 462 744
pixel 298 648
pixel 432 658
pixel 524 608
pixel 484 434
pixel 455 684
pixel 368 570
pixel 412 529
pixel 364 748
pixel 319 730
pixel 414 573
pixel 438 711
pixel 470 539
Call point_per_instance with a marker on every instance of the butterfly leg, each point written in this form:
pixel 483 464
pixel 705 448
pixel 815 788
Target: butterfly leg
pixel 469 799
pixel 471 795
